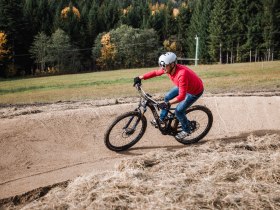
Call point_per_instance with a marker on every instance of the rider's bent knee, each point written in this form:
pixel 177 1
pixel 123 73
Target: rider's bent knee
pixel 179 112
pixel 180 109
pixel 167 98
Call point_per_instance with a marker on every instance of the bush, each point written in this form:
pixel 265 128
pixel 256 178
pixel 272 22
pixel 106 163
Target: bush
pixel 129 47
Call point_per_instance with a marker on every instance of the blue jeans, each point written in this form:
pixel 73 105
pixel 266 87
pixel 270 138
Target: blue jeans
pixel 181 108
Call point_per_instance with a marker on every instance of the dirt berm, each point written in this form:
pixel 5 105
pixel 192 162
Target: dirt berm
pixel 42 146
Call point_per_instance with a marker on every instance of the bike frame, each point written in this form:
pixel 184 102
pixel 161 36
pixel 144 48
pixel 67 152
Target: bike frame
pixel 147 101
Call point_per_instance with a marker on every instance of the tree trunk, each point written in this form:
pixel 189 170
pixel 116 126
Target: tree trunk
pixel 250 55
pixel 231 56
pixel 256 55
pixel 237 52
pixel 220 53
pixel 227 57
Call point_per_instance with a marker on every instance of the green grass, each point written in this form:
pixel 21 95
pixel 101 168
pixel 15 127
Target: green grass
pixel 244 77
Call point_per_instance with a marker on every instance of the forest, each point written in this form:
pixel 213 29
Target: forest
pixel 48 37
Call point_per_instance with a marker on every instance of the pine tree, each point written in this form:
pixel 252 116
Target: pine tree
pixel 269 22
pixel 277 30
pixel 13 25
pixel 217 30
pixel 134 15
pixel 183 25
pixel 70 19
pixel 112 15
pixel 253 31
pixel 228 31
pixel 156 22
pixel 93 28
pixel 146 13
pixel 237 29
pixel 170 21
pixel 199 25
pixel 45 17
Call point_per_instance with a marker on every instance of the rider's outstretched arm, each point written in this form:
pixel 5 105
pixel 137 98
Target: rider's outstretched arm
pixel 152 74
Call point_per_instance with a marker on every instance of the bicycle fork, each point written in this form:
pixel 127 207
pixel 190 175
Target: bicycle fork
pixel 133 127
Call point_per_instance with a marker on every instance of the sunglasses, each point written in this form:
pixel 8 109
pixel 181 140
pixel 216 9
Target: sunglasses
pixel 162 64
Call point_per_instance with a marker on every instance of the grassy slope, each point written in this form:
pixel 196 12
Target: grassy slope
pixel 217 78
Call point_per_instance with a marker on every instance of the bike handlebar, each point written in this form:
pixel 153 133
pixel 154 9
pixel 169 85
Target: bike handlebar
pixel 144 94
pixel 147 96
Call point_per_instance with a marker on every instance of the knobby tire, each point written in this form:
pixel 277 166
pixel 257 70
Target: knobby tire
pixel 195 110
pixel 123 143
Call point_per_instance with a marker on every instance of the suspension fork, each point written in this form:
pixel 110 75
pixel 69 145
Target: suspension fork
pixel 138 119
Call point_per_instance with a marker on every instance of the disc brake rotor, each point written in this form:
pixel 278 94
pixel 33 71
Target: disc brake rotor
pixel 194 125
pixel 127 132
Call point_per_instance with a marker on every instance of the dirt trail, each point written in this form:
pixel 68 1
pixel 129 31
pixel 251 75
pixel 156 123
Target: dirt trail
pixel 43 145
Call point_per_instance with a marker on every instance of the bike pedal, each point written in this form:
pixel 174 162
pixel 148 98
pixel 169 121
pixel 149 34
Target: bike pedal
pixel 154 123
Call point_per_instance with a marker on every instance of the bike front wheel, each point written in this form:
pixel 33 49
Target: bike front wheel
pixel 125 131
pixel 200 120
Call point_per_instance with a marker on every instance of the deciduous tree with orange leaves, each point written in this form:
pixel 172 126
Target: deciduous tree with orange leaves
pixel 66 10
pixel 4 51
pixel 108 51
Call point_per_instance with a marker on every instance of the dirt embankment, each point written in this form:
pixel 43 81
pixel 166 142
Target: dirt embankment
pixel 46 144
pixel 241 173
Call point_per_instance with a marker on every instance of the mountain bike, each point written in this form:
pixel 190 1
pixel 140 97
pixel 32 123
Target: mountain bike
pixel 127 129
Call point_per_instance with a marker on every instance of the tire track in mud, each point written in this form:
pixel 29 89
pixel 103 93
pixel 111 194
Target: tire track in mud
pixel 44 172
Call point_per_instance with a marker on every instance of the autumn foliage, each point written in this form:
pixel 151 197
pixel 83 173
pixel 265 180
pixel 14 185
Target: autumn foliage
pixel 108 51
pixel 66 10
pixel 3 49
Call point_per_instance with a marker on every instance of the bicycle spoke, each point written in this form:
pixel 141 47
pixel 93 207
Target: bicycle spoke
pixel 201 118
pixel 125 131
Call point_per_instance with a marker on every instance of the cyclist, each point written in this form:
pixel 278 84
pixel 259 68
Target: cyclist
pixel 188 88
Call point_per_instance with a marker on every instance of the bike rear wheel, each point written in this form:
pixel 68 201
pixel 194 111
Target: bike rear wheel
pixel 125 131
pixel 201 120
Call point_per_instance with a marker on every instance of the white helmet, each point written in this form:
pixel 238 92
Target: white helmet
pixel 167 58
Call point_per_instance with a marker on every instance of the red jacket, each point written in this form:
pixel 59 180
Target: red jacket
pixel 184 78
